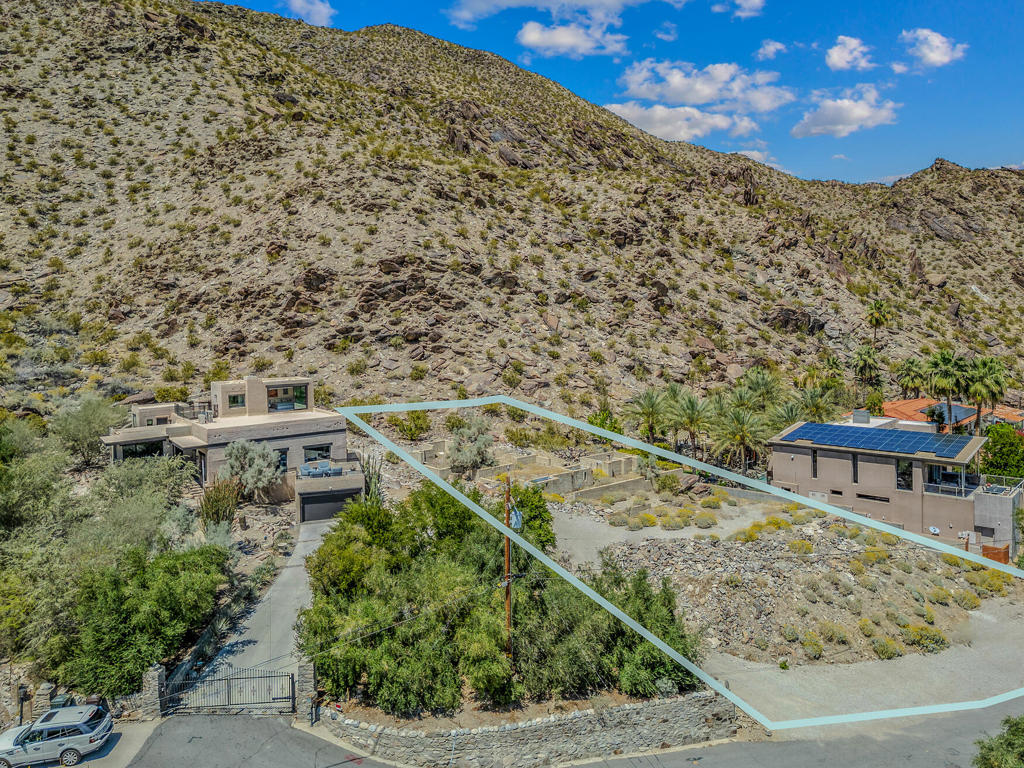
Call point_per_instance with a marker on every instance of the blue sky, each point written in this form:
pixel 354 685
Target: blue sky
pixel 865 90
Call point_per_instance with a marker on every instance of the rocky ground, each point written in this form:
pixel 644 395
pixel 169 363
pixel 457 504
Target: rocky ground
pixel 186 183
pixel 817 591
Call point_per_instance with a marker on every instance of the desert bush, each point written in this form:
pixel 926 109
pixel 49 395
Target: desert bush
pixel 800 518
pixel 832 632
pixel 790 633
pixel 988 582
pixel 856 567
pixel 711 503
pixel 733 580
pixel 412 426
pixel 80 425
pixel 886 648
pixel 778 523
pixel 873 555
pixel 705 519
pixel 940 595
pixel 1005 749
pixel 966 599
pixel 220 502
pixel 889 539
pixel 928 639
pixel 618 519
pixel 952 560
pixel 472 448
pixel 667 483
pixel 866 627
pixel 648 520
pixel 811 644
pixel 904 566
pixel 635 523
pixel 255 466
pixel 801 546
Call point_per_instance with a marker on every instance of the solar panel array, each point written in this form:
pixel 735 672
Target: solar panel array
pixel 876 439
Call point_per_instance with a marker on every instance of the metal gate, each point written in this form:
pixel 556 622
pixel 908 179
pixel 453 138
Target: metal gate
pixel 244 691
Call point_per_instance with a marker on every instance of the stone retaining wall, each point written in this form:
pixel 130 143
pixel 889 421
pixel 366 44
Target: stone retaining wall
pixel 657 724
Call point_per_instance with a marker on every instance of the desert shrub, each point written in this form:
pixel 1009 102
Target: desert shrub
pixel 801 518
pixel 647 519
pixel 889 539
pixel 733 580
pixel 790 633
pixel 78 426
pixel 412 426
pixel 929 615
pixel 928 639
pixel 866 627
pixel 988 582
pixel 745 535
pixel 923 565
pixel 454 421
pixel 778 523
pixel 667 483
pixel 873 555
pixel 952 560
pixel 705 520
pixel 832 632
pixel 472 448
pixel 635 523
pixel 904 566
pixel 839 530
pixel 853 605
pixel 940 596
pixel 966 599
pixel 856 567
pixel 811 644
pixel 255 466
pixel 220 502
pixel 1005 749
pixel 886 648
pixel 170 394
pixel 801 546
pixel 711 503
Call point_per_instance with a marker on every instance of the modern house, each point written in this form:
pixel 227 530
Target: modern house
pixel 898 473
pixel 311 443
pixel 960 417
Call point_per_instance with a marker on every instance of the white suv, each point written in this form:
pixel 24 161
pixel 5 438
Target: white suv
pixel 64 735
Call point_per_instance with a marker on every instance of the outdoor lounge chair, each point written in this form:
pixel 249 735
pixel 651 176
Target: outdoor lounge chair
pixel 324 465
pixel 337 471
pixel 305 470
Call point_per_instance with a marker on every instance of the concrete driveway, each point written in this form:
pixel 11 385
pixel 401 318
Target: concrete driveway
pixel 266 638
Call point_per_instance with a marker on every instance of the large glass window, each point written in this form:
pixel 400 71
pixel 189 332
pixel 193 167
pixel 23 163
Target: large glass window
pixel 142 450
pixel 316 452
pixel 282 458
pixel 814 463
pixel 904 475
pixel 286 398
pixel 855 464
pixel 236 401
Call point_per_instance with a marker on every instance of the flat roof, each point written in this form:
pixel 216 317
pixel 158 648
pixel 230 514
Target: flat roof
pixel 187 441
pixel 952 449
pixel 273 417
pixel 135 435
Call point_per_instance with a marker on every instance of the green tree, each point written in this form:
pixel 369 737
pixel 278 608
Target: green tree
pixel 818 404
pixel 833 371
pixel 1003 453
pixel 879 315
pixel 865 365
pixel 604 417
pixel 739 434
pixel 1005 749
pixel 692 415
pixel 911 376
pixel 220 502
pixel 786 413
pixel 80 425
pixel 472 448
pixel 875 403
pixel 946 373
pixel 985 380
pixel 647 411
pixel 254 465
pixel 764 385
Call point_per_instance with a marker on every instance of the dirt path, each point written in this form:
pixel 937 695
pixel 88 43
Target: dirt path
pixel 985 660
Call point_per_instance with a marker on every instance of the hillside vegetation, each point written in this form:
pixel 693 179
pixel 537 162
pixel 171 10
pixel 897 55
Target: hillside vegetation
pixel 194 191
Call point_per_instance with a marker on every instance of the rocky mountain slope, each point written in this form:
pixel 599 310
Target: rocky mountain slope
pixel 185 183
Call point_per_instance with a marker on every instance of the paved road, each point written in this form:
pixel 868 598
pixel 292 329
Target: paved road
pixel 944 741
pixel 266 638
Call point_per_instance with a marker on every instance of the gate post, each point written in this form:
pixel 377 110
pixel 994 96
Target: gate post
pixel 154 692
pixel 304 691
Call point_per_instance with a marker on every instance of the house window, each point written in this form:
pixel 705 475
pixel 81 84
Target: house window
pixel 282 459
pixel 142 450
pixel 814 464
pixel 286 398
pixel 236 401
pixel 904 475
pixel 834 492
pixel 855 466
pixel 149 422
pixel 872 497
pixel 316 452
pixel 161 419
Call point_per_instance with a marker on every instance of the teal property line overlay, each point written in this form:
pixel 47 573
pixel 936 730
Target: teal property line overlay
pixel 352 413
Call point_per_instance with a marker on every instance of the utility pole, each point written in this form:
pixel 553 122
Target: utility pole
pixel 508 567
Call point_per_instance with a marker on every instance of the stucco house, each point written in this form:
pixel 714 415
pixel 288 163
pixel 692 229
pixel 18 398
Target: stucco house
pixel 311 443
pixel 899 473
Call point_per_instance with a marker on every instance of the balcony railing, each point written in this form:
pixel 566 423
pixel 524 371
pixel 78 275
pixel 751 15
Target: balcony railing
pixel 201 412
pixel 326 468
pixel 1000 485
pixel 949 489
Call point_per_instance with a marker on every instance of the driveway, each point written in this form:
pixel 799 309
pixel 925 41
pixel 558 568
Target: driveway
pixel 266 638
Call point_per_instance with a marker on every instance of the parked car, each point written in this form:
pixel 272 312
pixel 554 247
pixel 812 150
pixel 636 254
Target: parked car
pixel 64 735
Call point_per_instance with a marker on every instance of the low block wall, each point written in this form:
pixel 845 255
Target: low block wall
pixel 658 724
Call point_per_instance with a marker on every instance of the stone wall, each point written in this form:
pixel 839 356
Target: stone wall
pixel 658 724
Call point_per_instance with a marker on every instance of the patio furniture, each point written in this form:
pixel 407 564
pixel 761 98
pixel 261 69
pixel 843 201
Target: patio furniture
pixel 337 471
pixel 305 470
pixel 324 465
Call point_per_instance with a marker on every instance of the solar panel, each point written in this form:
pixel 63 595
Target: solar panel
pixel 875 439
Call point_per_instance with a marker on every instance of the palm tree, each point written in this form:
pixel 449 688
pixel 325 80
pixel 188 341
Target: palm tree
pixel 647 410
pixel 879 315
pixel 986 385
pixel 811 377
pixel 945 378
pixel 865 364
pixel 673 391
pixel 739 433
pixel 833 370
pixel 786 413
pixel 765 386
pixel 818 404
pixel 911 376
pixel 743 397
pixel 690 414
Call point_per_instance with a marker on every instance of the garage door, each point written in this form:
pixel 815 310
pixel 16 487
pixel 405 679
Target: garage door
pixel 323 506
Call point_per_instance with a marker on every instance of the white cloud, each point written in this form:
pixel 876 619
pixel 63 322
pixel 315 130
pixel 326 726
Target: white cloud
pixel 898 67
pixel 848 53
pixel 762 156
pixel 1015 167
pixel 727 85
pixel 673 123
pixel 769 50
pixel 742 9
pixel 932 49
pixel 840 157
pixel 572 40
pixel 891 178
pixel 316 12
pixel 859 108
pixel 667 32
pixel 465 13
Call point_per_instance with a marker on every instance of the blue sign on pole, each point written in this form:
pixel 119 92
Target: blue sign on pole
pixel 517 519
